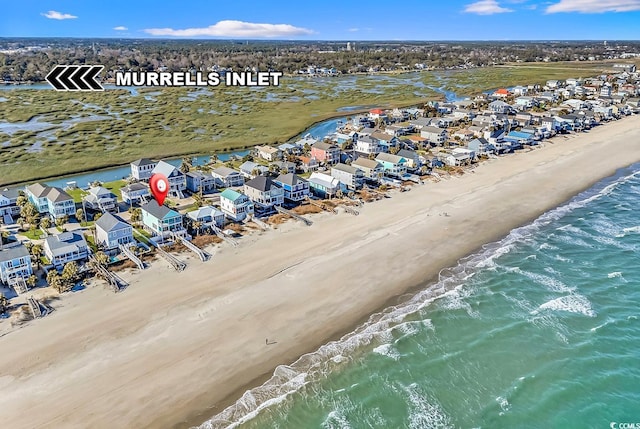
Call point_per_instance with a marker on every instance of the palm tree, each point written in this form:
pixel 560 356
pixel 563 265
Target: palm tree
pixel 70 272
pixel 80 215
pixel 31 281
pixel 197 226
pixel 45 223
pixel 186 164
pixel 102 258
pixel 136 215
pixel 4 304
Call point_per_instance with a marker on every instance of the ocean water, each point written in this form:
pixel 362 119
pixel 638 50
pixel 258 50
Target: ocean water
pixel 539 330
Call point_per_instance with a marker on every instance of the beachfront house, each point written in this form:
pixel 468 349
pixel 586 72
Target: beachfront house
pixel 9 205
pixel 268 153
pixel 371 168
pixel 367 145
pixel 325 152
pixel 135 193
pixel 393 165
pixel 207 216
pixel 323 185
pixel 112 231
pixel 481 146
pixel 350 176
pixel 250 169
pixel 226 177
pixel 51 200
pixel 100 199
pixel 177 179
pixel 161 221
pixel 434 135
pixel 235 205
pixel 65 247
pixel 197 181
pixel 15 263
pixel 141 169
pixel 412 157
pixel 456 159
pixel 295 188
pixel 264 193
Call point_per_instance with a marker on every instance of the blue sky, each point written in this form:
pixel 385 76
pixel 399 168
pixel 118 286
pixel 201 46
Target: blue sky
pixel 326 19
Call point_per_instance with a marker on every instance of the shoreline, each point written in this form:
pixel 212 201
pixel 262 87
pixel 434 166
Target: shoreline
pixel 179 346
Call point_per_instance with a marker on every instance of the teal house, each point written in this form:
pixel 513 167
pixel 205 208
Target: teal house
pixel 160 220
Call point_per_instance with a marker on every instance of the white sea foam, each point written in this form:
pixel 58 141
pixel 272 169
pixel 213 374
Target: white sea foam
pixel 424 412
pixel 387 350
pixel 312 365
pixel 574 303
pixel 336 420
pixel 627 231
pixel 614 274
pixel 504 404
pixel 551 283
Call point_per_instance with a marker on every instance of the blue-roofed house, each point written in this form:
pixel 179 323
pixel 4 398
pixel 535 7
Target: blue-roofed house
pixel 235 205
pixel 393 165
pixel 518 138
pixel 161 221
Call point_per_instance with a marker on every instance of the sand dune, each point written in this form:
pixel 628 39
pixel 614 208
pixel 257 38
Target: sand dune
pixel 174 348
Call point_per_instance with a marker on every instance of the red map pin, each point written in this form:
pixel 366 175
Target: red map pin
pixel 159 185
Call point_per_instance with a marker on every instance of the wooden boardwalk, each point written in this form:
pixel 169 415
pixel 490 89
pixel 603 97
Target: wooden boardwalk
pixel 306 221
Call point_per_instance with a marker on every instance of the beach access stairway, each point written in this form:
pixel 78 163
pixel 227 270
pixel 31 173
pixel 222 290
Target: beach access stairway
pixel 116 283
pixel 204 256
pixel 37 308
pixel 281 209
pixel 176 263
pixel 263 225
pixel 19 285
pixel 132 256
pixel 232 241
pixel 8 220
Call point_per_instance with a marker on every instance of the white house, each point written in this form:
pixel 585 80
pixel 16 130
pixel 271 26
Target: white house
pixel 112 231
pixel 323 185
pixel 65 247
pixel 263 192
pixel 177 179
pixel 268 153
pixel 207 215
pixel 100 199
pixel 367 145
pixel 434 135
pixel 235 205
pixel 135 193
pixel 371 168
pixel 226 177
pixel 142 169
pixel 15 263
pixel 9 205
pixel 350 176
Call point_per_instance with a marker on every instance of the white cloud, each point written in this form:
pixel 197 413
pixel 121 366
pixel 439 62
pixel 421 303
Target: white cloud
pixel 52 14
pixel 353 30
pixel 486 7
pixel 120 28
pixel 230 28
pixel 594 6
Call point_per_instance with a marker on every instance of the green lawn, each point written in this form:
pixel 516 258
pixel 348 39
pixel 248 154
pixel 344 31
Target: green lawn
pixel 77 194
pixel 35 234
pixel 115 187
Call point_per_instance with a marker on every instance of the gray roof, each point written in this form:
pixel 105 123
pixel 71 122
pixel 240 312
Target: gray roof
pixel 224 171
pixel 9 253
pixel 38 190
pixel 290 179
pixel 434 130
pixel 156 210
pixel 133 187
pixel 65 243
pixel 346 168
pixel 389 157
pixel 408 153
pixel 143 161
pixel 99 193
pixel 109 222
pixel 52 193
pixel 166 169
pixel 205 212
pixel 10 193
pixel 366 163
pixel 261 183
pixel 324 146
pixel 198 174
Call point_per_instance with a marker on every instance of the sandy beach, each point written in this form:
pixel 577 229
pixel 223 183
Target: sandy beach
pixel 175 348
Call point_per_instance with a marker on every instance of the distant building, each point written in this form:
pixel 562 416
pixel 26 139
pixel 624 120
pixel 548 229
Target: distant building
pixel 325 152
pixel 226 177
pixel 142 169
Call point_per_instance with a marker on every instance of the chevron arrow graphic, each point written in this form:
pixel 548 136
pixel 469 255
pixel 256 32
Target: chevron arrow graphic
pixel 75 78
